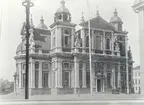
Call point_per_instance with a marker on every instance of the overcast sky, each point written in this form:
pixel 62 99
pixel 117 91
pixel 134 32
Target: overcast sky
pixel 13 15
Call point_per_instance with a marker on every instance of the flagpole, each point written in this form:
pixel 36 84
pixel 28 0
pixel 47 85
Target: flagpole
pixel 90 65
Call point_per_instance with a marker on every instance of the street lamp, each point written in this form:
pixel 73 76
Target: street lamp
pixel 27 4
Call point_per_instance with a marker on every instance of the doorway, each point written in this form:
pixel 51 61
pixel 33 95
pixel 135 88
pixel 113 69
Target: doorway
pixel 98 85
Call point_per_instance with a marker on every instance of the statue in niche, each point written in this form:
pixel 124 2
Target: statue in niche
pixel 78 41
pixel 116 45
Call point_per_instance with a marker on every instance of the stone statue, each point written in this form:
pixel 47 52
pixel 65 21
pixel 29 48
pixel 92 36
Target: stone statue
pixel 78 42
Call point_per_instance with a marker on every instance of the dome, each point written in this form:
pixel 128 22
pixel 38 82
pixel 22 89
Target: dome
pixel 62 8
pixel 21 46
pixel 115 18
pixel 42 25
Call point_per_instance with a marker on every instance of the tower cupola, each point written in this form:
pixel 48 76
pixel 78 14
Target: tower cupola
pixel 62 13
pixel 42 25
pixel 116 21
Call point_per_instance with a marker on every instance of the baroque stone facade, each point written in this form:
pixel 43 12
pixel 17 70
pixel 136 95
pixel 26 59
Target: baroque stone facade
pixel 59 57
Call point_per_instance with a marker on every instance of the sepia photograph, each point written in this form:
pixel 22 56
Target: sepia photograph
pixel 71 52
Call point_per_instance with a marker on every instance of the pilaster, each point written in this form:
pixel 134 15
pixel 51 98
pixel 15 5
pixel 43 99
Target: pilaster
pixel 40 75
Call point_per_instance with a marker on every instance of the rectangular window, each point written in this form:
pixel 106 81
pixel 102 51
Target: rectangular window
pixel 44 65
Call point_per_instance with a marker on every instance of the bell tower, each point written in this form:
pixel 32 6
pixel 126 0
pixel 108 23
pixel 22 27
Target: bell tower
pixel 62 30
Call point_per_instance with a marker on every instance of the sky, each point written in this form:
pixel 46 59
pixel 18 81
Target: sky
pixel 13 16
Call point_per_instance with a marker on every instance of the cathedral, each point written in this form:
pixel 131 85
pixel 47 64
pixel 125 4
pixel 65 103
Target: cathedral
pixel 59 56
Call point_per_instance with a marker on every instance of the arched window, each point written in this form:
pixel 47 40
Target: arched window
pixel 87 41
pixel 36 65
pixel 108 43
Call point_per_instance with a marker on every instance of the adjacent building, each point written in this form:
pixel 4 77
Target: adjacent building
pixel 136 79
pixel 59 56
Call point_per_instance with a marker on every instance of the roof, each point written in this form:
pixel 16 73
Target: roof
pixel 115 18
pixel 42 25
pixel 41 39
pixel 136 68
pixel 62 8
pixel 98 22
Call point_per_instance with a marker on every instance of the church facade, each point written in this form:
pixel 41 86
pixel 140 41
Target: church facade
pixel 59 57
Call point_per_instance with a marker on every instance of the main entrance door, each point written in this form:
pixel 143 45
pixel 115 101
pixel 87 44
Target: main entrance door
pixel 99 85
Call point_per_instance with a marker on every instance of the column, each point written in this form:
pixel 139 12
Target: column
pixel 76 69
pixel 59 69
pixel 96 85
pixel 33 74
pixel 84 75
pixel 40 75
pixel 20 75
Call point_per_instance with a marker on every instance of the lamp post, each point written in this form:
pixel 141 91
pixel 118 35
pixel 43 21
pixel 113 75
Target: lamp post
pixel 27 4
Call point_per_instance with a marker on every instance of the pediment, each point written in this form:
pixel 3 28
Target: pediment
pixel 99 23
